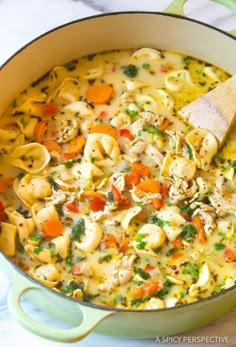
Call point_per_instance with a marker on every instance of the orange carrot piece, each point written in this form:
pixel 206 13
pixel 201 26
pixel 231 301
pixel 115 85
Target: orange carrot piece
pixel 126 133
pixel 109 241
pixel 50 109
pixel 164 125
pixel 40 130
pixel 71 206
pixel 139 168
pixel 76 145
pixel 132 179
pixel 137 292
pixel 201 235
pixel 52 146
pixel 123 245
pixel 141 216
pixel 53 227
pixel 150 287
pixel 229 255
pixel 165 190
pixel 177 255
pixel 5 183
pixel 177 243
pixel 157 202
pixel 99 94
pixel 149 186
pixel 90 195
pixel 105 129
pixel 68 156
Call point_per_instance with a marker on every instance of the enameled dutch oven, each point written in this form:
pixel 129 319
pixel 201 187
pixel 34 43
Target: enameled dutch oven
pixel 169 30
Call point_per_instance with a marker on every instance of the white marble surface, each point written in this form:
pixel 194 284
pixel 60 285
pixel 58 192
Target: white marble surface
pixel 20 22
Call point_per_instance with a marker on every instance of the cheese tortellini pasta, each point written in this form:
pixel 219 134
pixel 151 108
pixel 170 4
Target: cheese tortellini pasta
pixel 106 195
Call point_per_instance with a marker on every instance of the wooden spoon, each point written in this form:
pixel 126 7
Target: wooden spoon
pixel 214 111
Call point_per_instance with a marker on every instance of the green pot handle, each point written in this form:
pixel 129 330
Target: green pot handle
pixel 177 7
pixel 91 317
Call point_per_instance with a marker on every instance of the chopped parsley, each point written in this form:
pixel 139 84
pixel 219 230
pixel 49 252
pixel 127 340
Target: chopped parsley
pixel 77 230
pixel 54 184
pixel 139 239
pixel 188 232
pixel 69 66
pixel 37 237
pixel 70 287
pixel 142 273
pixel 105 258
pixel 37 250
pixel 131 113
pixel 130 70
pixel 191 269
pixel 171 251
pixel 186 209
pixel 68 164
pixel 219 246
pixel 147 66
pixel 160 222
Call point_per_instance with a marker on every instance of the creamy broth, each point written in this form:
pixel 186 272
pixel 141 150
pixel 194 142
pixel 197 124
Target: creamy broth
pixel 107 196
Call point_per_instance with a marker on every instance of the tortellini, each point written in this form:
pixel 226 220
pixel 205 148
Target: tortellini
pixel 149 53
pixel 46 274
pixel 8 239
pixel 102 147
pixel 32 157
pixel 204 146
pixel 25 226
pixel 30 189
pixel 173 223
pixel 177 80
pixel 92 237
pixel 179 167
pixel 152 237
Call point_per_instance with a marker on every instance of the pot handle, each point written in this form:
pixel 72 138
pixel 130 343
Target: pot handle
pixel 91 317
pixel 177 7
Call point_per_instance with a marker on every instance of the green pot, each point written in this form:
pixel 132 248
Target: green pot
pixel 132 29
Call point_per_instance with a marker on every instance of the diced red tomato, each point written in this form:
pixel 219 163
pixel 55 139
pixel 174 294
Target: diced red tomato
pixel 97 204
pixel 103 115
pixel 126 133
pixel 72 207
pixel 229 255
pixel 117 196
pixel 76 270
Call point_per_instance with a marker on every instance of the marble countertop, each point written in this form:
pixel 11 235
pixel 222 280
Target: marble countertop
pixel 22 21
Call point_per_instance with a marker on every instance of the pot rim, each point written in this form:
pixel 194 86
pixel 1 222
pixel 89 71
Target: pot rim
pixel 95 306
pixel 110 14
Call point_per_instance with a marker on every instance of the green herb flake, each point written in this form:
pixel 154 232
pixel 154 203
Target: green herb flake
pixel 70 287
pixel 69 66
pixel 147 66
pixel 37 250
pixel 188 232
pixel 171 251
pixel 142 273
pixel 139 239
pixel 218 246
pixel 155 220
pixel 14 104
pixel 131 113
pixel 155 131
pixel 68 164
pixel 164 291
pixel 191 269
pixel 186 209
pixel 126 169
pixel 52 248
pixel 105 258
pixel 130 70
pixel 92 160
pixel 54 185
pixel 37 238
pixel 77 230
pixel 189 150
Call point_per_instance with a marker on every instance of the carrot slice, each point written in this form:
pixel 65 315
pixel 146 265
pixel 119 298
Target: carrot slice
pixel 132 179
pixel 150 287
pixel 201 235
pixel 40 130
pixel 76 145
pixel 109 241
pixel 137 292
pixel 123 245
pixel 165 190
pixel 53 227
pixel 99 94
pixel 177 243
pixel 229 255
pixel 50 109
pixel 52 146
pixel 165 124
pixel 140 169
pixel 91 195
pixel 105 129
pixel 157 202
pixel 71 206
pixel 149 186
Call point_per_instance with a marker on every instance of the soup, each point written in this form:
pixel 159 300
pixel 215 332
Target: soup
pixel 107 196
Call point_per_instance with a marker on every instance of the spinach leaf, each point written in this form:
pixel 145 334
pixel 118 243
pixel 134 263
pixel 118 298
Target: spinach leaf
pixel 188 232
pixel 130 70
pixel 77 230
